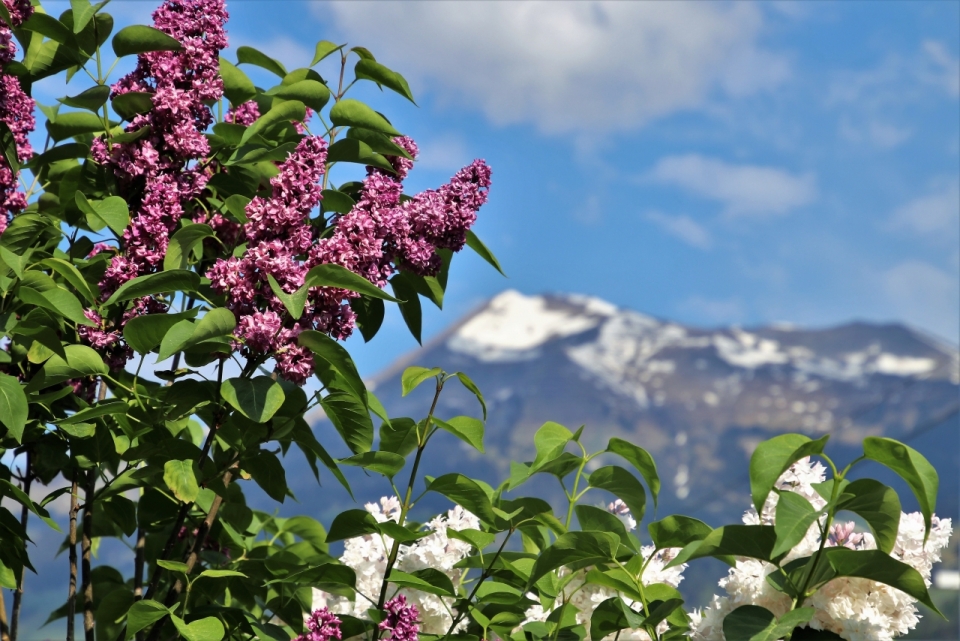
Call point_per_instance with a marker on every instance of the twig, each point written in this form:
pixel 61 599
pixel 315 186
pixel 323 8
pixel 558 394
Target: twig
pixel 72 589
pixel 24 515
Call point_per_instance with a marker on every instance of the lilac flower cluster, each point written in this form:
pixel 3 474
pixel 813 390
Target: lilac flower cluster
pixel 381 233
pixel 16 112
pixel 322 625
pixel 154 172
pixel 401 621
pixel 378 236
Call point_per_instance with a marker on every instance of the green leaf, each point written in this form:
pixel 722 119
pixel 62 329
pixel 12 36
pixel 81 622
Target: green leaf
pixel 332 275
pixel 175 338
pixel 237 206
pixel 159 283
pixel 359 152
pixel 251 56
pixel 465 492
pixel 9 145
pixel 144 613
pixel 410 307
pixel 472 387
pixel 610 617
pixel 295 302
pixel 386 463
pixel 107 407
pixel 139 38
pixel 52 155
pixel 879 566
pixel 289 111
pixel 474 243
pixel 773 457
pixel 912 467
pixel 399 436
pixel 129 105
pixel 378 142
pixel 258 399
pixel 350 524
pixel 337 358
pixel 430 581
pixel 413 376
pixel 373 70
pixel 252 154
pixel 624 485
pixel 74 123
pixel 111 212
pixel 13 406
pixel 237 87
pixel 641 460
pixel 753 541
pixel 353 113
pixel 206 629
pixel 222 574
pixel 267 471
pixel 574 547
pixel 598 520
pixel 476 538
pixel 324 49
pixel 467 429
pixel 337 201
pixel 879 506
pixel 370 313
pixel 79 430
pixel 750 623
pixel 351 419
pixel 677 531
pixel 179 477
pixel 81 362
pixel 310 92
pixel 50 27
pixel 71 274
pixel 130 136
pixel 185 241
pixel 550 441
pixel 91 99
pixel 795 515
pixel 59 301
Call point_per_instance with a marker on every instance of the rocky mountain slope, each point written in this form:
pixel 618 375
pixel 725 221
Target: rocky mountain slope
pixel 697 399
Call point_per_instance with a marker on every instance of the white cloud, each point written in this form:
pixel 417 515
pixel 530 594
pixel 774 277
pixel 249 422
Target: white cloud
pixel 880 134
pixel 744 190
pixel 571 66
pixel 943 69
pixel 925 296
pixel 445 152
pixel 682 227
pixel 936 214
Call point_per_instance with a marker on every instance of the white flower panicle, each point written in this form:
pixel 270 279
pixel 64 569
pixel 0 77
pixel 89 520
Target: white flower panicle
pixel 855 609
pixel 367 555
pixel 586 597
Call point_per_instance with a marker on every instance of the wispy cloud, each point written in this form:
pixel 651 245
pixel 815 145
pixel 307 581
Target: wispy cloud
pixel 682 227
pixel 743 190
pixel 925 296
pixel 565 67
pixel 935 214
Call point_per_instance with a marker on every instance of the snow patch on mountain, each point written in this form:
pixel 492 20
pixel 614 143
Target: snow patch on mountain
pixel 512 326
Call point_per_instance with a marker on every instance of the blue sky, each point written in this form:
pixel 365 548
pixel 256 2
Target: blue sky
pixel 708 163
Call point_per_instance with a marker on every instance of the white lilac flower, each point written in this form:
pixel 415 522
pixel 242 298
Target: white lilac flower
pixel 367 555
pixel 586 597
pixel 856 609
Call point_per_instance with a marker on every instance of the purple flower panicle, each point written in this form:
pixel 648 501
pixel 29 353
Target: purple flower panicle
pixel 16 112
pixel 402 620
pixel 322 625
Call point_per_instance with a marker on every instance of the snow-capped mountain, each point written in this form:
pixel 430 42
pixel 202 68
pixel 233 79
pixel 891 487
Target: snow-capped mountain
pixel 697 399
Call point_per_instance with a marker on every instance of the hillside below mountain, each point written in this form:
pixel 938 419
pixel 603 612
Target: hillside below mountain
pixel 698 399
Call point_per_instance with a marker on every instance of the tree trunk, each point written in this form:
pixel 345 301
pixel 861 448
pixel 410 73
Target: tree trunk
pixel 72 537
pixel 90 487
pixel 24 515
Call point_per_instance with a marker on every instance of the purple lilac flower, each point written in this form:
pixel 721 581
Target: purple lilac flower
pixel 402 620
pixel 153 172
pixel 322 625
pixel 842 534
pixel 16 111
